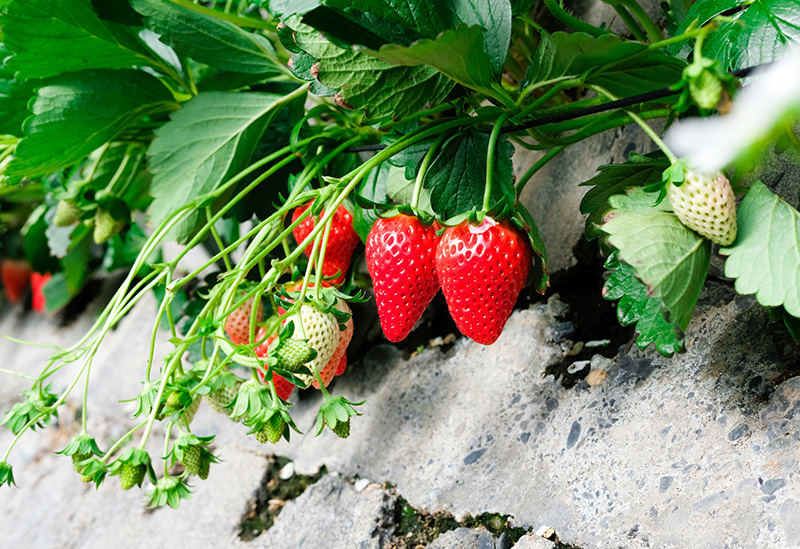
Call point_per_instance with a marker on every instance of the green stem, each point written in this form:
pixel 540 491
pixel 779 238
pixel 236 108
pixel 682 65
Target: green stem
pixel 630 22
pixel 492 151
pixel 32 421
pixel 217 239
pixel 552 92
pixel 538 165
pixel 423 169
pixel 652 30
pixel 18 374
pixel 121 441
pixel 572 22
pixel 320 265
pixel 642 124
pixel 536 85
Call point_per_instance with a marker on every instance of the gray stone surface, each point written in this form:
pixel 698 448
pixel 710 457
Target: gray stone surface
pixel 553 195
pixel 532 541
pixel 700 450
pixel 331 513
pixel 53 508
pixel 464 538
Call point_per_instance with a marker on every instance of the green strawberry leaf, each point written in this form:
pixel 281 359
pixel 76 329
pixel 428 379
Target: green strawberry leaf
pixel 758 34
pixel 458 54
pixel 624 68
pixel 225 129
pixel 209 40
pixel 400 22
pixel 635 306
pixel 614 179
pixel 364 82
pixel 670 259
pixel 76 113
pixel 14 98
pixel 457 175
pixel 37 31
pixel 765 258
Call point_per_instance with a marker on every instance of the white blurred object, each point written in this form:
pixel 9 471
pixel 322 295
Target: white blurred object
pixel 710 144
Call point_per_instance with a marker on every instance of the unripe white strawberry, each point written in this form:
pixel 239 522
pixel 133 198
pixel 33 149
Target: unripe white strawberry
pixel 345 336
pixel 706 204
pixel 222 397
pixel 322 331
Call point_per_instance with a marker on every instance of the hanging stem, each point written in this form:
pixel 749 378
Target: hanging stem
pixel 498 125
pixel 538 165
pixel 642 124
pixel 572 22
pixel 423 169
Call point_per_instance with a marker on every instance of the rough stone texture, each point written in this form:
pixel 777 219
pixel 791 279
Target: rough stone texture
pixel 53 508
pixel 532 541
pixel 693 451
pixel 553 195
pixel 331 513
pixel 464 538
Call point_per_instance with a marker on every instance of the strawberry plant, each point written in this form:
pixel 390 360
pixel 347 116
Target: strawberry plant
pixel 276 136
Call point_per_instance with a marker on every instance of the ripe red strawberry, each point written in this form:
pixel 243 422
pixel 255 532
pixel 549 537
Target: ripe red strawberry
pixel 401 258
pixel 38 301
pixel 332 366
pixel 237 325
pixel 482 270
pixel 16 275
pixel 341 241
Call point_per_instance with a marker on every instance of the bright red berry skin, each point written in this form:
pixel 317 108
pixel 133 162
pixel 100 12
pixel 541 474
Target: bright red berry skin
pixel 342 241
pixel 38 301
pixel 401 258
pixel 237 325
pixel 482 270
pixel 15 275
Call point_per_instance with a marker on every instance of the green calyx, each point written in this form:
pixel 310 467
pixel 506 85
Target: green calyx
pixel 6 474
pixel 170 491
pixel 335 413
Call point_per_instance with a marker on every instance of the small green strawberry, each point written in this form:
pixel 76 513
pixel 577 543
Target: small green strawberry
pixel 105 226
pixel 273 428
pixel 131 475
pixel 191 459
pixel 205 469
pixel 67 213
pixel 706 90
pixel 706 204
pixel 81 448
pixel 322 331
pixel 131 466
pixel 191 451
pixel 342 428
pixel 291 354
